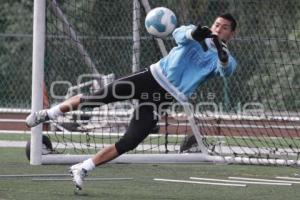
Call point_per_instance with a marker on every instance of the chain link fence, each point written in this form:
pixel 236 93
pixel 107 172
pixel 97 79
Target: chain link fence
pixel 15 53
pixel 266 48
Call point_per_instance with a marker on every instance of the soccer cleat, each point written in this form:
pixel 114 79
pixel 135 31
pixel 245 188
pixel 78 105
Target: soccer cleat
pixel 78 174
pixel 36 118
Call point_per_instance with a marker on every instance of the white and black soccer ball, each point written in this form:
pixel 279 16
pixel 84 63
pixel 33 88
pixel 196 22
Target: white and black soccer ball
pixel 160 22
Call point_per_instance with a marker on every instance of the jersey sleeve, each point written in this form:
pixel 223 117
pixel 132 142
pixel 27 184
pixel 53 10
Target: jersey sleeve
pixel 183 34
pixel 227 70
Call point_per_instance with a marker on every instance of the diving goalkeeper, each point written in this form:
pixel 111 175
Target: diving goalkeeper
pixel 201 54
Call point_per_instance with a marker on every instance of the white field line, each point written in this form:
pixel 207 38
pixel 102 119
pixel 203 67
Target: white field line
pixel 258 179
pixel 86 179
pixel 289 178
pixel 200 182
pixel 9 143
pixel 297 175
pixel 32 175
pixel 245 182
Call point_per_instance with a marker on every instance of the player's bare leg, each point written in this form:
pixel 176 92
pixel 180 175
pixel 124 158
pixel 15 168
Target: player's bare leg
pixel 41 116
pixel 105 155
pixel 80 170
pixel 70 104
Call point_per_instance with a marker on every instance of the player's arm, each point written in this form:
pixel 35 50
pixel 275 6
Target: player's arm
pixel 229 70
pixel 200 33
pixel 180 34
pixel 223 53
pixel 226 63
pixel 189 33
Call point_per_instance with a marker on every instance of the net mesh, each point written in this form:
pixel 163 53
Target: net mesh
pixel 254 113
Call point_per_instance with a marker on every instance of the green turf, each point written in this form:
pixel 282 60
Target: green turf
pixel 13 161
pixel 15 137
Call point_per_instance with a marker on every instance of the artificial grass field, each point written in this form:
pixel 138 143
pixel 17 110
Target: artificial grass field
pixel 13 161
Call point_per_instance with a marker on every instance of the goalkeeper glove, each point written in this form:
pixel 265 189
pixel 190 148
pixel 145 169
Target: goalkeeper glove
pixel 222 50
pixel 200 33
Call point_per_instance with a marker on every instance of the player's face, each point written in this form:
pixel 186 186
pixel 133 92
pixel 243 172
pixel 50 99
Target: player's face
pixel 222 28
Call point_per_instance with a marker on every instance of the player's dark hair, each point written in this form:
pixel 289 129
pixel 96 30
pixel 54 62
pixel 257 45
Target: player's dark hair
pixel 230 18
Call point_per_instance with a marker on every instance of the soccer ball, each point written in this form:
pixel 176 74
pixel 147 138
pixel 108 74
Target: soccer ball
pixel 160 22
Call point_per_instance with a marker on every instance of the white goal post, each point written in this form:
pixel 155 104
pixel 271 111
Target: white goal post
pixel 39 33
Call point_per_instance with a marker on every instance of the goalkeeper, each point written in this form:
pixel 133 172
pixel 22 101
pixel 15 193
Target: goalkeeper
pixel 201 53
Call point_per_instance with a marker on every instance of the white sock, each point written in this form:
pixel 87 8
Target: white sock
pixel 88 165
pixel 54 112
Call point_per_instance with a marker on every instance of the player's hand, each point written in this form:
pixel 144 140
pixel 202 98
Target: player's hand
pixel 200 33
pixel 222 49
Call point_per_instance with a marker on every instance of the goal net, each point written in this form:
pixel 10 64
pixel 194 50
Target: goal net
pixel 252 117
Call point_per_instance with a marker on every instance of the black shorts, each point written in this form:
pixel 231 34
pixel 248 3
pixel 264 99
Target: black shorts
pixel 140 85
pixel 153 100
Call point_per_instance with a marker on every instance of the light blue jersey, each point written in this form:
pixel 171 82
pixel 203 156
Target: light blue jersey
pixel 189 64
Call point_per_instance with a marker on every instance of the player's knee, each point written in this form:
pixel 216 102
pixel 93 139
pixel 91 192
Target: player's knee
pixel 124 146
